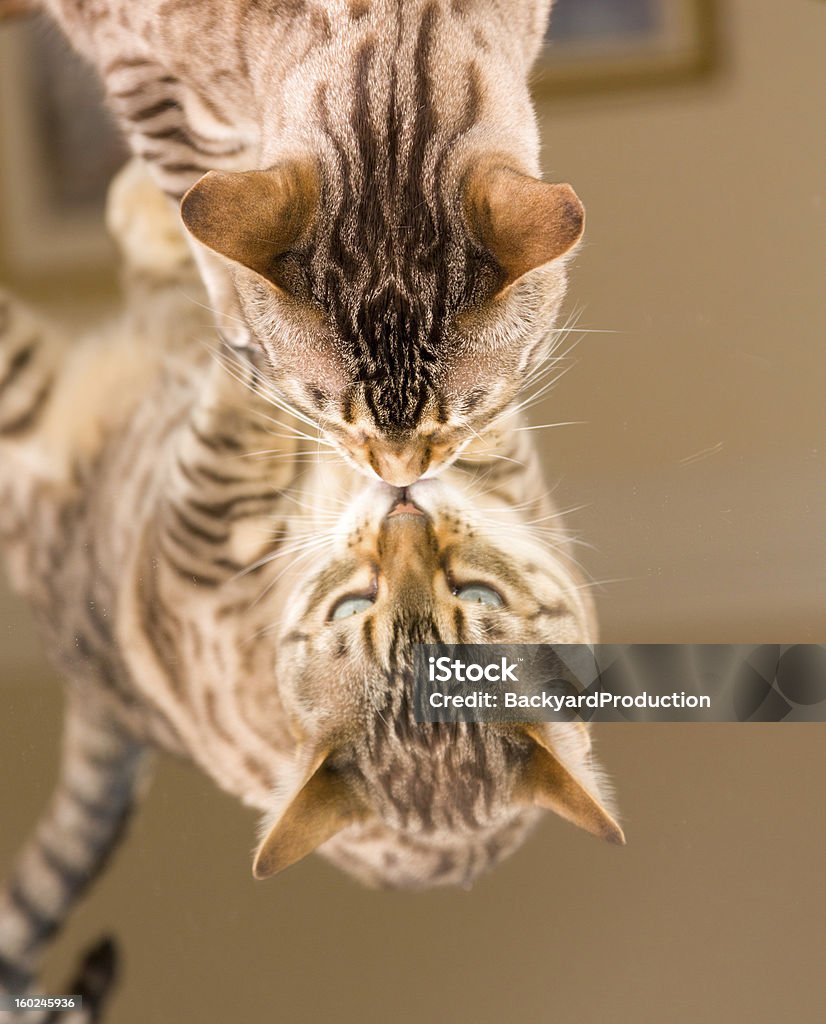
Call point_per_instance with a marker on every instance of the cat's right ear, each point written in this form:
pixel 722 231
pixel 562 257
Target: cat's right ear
pixel 521 221
pixel 253 217
pixel 322 806
pixel 549 784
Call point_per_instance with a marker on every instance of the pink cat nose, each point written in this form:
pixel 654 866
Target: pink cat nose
pixel 399 468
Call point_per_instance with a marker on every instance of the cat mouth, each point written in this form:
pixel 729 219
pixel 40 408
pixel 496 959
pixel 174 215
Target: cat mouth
pixel 404 506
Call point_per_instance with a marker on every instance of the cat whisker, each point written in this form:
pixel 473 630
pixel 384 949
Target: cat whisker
pixel 298 558
pixel 312 543
pixel 288 493
pixel 484 456
pixel 532 399
pixel 550 426
pixel 235 366
pixel 211 309
pixel 599 583
pixel 302 458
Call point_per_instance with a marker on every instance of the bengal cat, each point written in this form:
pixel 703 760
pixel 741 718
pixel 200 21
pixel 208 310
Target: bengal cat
pixel 373 222
pixel 213 580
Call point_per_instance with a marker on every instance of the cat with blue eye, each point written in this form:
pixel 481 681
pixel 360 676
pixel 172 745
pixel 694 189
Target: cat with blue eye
pixel 213 583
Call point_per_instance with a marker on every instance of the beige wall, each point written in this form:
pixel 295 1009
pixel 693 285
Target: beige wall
pixel 705 254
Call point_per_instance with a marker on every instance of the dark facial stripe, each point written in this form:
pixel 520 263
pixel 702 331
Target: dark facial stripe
pixel 392 261
pixel 459 624
pixel 333 577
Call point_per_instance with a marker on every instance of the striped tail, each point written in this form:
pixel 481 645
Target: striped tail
pixel 94 983
pixel 100 771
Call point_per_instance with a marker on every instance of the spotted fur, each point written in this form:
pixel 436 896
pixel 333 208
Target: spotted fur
pixel 183 548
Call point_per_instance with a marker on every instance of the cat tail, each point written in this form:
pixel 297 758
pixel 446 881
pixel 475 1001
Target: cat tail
pixel 102 770
pixel 94 982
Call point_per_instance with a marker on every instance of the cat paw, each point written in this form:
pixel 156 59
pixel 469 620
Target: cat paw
pixel 144 224
pixel 96 979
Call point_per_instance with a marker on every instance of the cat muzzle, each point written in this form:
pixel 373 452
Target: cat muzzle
pixel 400 469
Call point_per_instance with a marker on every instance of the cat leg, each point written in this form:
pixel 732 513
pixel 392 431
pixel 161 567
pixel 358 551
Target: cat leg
pixel 155 245
pixel 156 111
pixel 93 982
pixel 100 770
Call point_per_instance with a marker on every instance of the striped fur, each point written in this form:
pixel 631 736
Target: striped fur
pixel 99 772
pixel 417 346
pixel 183 548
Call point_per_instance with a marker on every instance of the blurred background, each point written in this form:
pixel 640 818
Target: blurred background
pixel 693 132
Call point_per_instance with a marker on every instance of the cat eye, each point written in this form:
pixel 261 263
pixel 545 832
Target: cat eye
pixel 478 593
pixel 352 605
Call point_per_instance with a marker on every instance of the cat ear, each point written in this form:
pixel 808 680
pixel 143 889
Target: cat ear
pixel 323 805
pixel 253 217
pixel 549 784
pixel 523 222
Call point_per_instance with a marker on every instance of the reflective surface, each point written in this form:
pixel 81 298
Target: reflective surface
pixel 702 468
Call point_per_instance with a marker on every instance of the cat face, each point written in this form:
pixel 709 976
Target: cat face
pixel 420 565
pixel 402 330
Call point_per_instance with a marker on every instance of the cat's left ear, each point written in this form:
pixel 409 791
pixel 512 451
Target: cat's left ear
pixel 523 222
pixel 253 217
pixel 321 807
pixel 548 783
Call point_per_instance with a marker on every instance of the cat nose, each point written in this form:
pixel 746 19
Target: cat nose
pixel 406 540
pixel 400 468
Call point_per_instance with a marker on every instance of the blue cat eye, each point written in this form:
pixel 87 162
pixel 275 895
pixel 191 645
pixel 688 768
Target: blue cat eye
pixel 348 606
pixel 478 593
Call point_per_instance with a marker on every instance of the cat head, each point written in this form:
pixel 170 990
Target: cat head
pixel 421 565
pixel 403 320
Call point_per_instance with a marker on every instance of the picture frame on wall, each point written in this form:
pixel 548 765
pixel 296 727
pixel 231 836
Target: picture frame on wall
pixel 609 45
pixel 59 148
